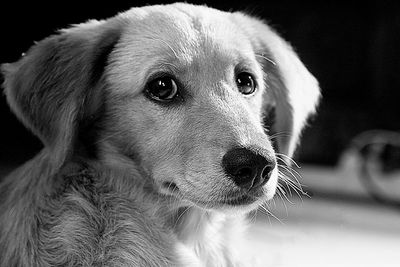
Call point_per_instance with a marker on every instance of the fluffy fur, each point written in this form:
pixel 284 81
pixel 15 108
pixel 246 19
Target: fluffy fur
pixel 125 181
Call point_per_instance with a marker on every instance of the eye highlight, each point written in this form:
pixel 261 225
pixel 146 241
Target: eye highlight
pixel 246 83
pixel 163 89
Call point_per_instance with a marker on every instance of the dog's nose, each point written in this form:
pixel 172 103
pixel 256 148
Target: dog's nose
pixel 246 168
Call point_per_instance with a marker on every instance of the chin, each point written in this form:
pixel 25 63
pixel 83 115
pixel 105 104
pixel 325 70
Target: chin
pixel 231 203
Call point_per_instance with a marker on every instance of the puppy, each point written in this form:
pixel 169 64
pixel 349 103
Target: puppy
pixel 157 126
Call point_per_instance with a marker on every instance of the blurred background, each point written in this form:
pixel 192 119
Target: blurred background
pixel 349 211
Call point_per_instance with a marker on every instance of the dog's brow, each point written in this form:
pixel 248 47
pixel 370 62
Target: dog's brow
pixel 266 58
pixel 169 46
pixel 164 66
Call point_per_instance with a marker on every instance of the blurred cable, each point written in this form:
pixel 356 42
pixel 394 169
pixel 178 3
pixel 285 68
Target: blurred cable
pixel 379 170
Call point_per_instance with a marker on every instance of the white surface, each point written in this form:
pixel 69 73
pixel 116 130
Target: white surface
pixel 328 232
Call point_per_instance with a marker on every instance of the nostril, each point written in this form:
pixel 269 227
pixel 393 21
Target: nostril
pixel 265 175
pixel 267 171
pixel 244 176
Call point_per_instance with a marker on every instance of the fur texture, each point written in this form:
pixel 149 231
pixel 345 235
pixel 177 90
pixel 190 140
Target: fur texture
pixel 124 180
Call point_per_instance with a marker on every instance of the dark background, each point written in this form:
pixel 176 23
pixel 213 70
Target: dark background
pixel 352 48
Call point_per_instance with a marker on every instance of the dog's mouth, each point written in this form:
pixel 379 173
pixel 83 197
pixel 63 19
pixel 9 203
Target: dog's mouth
pixel 242 199
pixel 171 187
pixel 234 199
pixel 239 201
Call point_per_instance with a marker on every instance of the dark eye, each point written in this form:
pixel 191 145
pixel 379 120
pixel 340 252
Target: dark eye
pixel 245 83
pixel 162 89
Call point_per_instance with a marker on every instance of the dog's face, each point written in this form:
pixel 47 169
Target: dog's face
pixel 182 93
pixel 189 99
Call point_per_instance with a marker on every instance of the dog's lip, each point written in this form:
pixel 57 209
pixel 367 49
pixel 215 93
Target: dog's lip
pixel 246 198
pixel 237 198
pixel 240 201
pixel 170 186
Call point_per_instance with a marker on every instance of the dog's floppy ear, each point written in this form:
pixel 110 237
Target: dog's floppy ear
pixel 54 86
pixel 291 90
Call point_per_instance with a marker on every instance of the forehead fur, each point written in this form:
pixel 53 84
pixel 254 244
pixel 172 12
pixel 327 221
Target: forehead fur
pixel 176 36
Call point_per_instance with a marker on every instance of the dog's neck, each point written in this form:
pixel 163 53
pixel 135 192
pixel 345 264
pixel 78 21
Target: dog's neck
pixel 193 226
pixel 209 234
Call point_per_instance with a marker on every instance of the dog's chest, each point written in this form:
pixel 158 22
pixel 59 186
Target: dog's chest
pixel 103 229
pixel 95 225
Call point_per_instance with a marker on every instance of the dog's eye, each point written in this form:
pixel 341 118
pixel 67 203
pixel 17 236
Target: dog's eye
pixel 245 83
pixel 162 89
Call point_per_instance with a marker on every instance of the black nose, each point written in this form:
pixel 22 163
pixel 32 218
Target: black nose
pixel 246 168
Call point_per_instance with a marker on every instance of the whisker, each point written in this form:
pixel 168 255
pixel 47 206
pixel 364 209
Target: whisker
pixel 282 195
pixel 279 134
pixel 168 45
pixel 296 175
pixel 180 216
pixel 253 218
pixel 263 211
pixel 295 184
pixel 269 213
pixel 291 185
pixel 266 58
pixel 280 155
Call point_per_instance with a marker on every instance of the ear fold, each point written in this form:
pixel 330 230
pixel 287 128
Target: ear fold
pixel 295 92
pixel 55 86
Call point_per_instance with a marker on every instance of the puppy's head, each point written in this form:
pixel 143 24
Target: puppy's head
pixel 181 93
